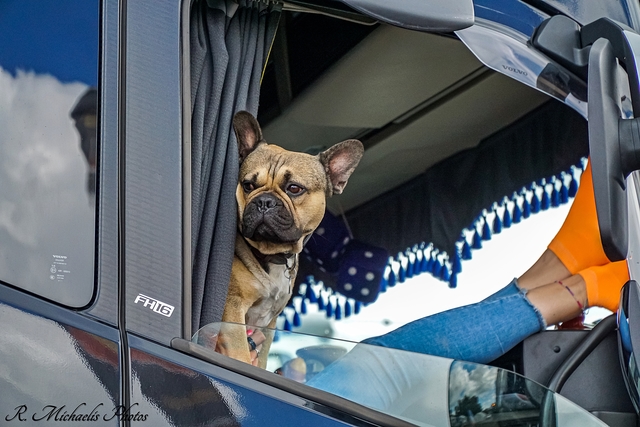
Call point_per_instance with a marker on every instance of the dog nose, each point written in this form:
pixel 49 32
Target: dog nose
pixel 265 202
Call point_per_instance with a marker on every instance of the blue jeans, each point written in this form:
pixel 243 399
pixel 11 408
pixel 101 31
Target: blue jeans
pixel 477 333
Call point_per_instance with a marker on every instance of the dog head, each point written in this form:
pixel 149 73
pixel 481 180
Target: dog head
pixel 282 194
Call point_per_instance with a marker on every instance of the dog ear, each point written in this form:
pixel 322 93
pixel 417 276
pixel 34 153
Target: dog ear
pixel 340 161
pixel 248 133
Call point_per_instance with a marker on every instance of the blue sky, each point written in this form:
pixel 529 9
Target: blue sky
pixel 56 37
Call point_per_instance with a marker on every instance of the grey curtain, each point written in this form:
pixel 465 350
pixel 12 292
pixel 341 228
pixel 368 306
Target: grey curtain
pixel 230 43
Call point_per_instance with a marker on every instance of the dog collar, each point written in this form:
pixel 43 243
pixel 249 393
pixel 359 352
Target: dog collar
pixel 279 259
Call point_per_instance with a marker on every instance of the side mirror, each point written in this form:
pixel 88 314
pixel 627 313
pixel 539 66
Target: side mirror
pixel 628 317
pixel 614 142
pixel 609 182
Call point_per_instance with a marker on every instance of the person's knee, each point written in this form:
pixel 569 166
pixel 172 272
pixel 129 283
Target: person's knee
pixel 374 341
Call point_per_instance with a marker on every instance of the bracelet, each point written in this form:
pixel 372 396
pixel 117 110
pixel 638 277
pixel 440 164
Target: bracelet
pixel 252 343
pixel 572 294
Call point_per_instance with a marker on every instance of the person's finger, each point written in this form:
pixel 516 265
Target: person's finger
pixel 255 355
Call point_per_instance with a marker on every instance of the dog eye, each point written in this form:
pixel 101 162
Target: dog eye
pixel 248 186
pixel 295 190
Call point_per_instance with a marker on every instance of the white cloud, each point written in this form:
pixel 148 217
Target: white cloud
pixel 44 205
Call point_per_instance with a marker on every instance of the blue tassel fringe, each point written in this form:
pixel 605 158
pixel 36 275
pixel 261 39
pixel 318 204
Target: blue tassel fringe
pixel 425 258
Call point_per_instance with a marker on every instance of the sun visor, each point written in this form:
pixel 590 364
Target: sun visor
pixel 435 16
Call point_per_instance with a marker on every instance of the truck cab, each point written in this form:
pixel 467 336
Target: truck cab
pixel 118 171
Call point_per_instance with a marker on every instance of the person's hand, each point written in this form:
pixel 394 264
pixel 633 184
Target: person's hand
pixel 257 337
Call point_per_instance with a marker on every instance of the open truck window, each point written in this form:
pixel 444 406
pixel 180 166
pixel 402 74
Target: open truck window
pixel 456 148
pixel 465 133
pixel 48 148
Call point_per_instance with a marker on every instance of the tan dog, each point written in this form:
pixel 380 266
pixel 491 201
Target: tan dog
pixel 281 199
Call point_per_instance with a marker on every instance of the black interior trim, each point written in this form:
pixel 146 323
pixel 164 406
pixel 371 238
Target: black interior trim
pixel 281 66
pixel 124 356
pixel 185 78
pixel 591 341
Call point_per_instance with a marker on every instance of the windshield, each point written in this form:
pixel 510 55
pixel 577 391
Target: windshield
pixel 422 389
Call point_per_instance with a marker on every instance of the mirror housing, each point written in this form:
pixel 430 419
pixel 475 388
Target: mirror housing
pixel 614 142
pixel 609 182
pixel 441 16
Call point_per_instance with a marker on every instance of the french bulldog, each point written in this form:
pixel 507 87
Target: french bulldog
pixel 281 197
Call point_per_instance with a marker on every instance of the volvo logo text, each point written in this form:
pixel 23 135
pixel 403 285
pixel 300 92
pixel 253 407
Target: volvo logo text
pixel 514 70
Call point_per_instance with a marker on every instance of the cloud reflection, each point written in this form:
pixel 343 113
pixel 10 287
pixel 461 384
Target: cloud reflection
pixel 44 206
pixel 468 379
